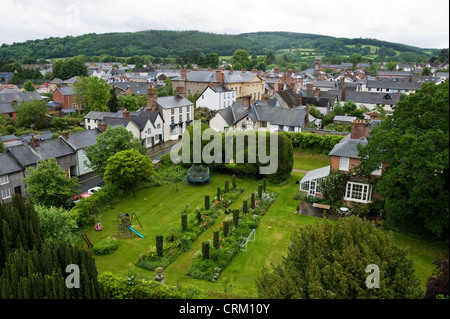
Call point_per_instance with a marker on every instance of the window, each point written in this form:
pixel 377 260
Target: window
pixel 6 193
pixel 180 117
pixel 244 126
pixel 187 117
pixel 85 165
pixel 263 124
pixel 180 110
pixel 172 119
pixel 358 192
pixel 149 131
pixel 4 179
pixel 343 163
pixel 158 126
pixel 172 111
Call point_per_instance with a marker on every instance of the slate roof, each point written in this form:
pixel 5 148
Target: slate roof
pixel 343 118
pixel 138 88
pixel 66 90
pixel 168 102
pixel 262 111
pixel 210 76
pixel 372 97
pixel 83 139
pixel 347 147
pixel 9 97
pixel 24 154
pixel 399 85
pixel 53 148
pixel 9 164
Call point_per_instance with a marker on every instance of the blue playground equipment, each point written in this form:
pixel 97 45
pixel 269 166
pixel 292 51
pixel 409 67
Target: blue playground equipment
pixel 136 232
pixel 197 174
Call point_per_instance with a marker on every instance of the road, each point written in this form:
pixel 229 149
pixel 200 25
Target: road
pixel 90 180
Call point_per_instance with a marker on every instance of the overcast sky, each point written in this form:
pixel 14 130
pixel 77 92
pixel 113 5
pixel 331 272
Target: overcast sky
pixel 422 23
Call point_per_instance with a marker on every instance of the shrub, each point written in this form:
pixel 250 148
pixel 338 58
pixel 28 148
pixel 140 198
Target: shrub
pixel 105 246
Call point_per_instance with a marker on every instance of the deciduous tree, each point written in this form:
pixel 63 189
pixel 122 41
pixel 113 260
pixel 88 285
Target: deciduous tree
pixel 49 185
pixel 413 143
pixel 128 168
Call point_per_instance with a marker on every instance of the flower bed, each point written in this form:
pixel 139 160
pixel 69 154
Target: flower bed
pixel 210 267
pixel 177 241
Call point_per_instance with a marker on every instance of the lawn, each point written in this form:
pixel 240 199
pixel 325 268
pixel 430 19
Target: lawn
pixel 306 161
pixel 159 208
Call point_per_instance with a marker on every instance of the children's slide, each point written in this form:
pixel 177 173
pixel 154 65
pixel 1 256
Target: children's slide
pixel 136 232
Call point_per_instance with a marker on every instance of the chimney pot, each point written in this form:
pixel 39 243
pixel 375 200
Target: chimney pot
pixel 35 142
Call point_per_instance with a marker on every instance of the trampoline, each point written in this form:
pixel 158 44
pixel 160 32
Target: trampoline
pixel 197 174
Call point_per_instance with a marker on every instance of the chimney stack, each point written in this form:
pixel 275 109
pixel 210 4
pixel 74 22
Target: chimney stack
pixel 180 90
pixel 35 142
pixel 316 92
pixel 247 100
pixel 360 129
pixel 298 101
pixel 102 127
pixel 254 71
pixel 343 93
pixel 183 74
pixel 211 84
pixel 219 76
pixel 276 71
pixel 126 114
pixel 309 87
pixel 65 134
pixel 151 97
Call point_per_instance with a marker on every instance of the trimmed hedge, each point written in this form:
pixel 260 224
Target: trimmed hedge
pixel 313 142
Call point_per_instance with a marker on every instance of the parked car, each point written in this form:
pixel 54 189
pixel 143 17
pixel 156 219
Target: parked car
pixel 77 198
pixel 93 190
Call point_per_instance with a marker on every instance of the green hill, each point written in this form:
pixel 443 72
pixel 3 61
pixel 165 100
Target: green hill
pixel 178 43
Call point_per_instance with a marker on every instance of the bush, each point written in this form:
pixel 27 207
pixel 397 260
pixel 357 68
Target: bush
pixel 313 142
pixel 105 246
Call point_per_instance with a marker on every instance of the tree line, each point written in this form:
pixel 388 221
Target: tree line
pixel 165 44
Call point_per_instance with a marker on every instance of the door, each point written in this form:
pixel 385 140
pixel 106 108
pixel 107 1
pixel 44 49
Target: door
pixel 312 188
pixel 18 190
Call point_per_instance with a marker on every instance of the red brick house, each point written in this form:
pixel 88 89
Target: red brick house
pixel 65 96
pixel 344 158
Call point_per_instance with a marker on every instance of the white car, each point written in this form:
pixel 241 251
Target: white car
pixel 93 190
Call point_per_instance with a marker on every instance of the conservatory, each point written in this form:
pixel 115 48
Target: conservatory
pixel 310 183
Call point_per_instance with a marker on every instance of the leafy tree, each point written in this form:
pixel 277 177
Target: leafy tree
pixel 112 141
pixel 48 184
pixel 57 224
pixel 2 147
pixel 93 93
pixel 240 58
pixel 32 113
pixel 29 87
pixel 270 58
pixel 65 69
pixel 413 143
pixel 328 261
pixel 127 168
pixel 333 187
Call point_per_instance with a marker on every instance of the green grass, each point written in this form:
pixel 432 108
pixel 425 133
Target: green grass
pixel 306 161
pixel 159 208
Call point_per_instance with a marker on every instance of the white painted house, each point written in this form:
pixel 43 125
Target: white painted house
pixel 177 113
pixel 216 97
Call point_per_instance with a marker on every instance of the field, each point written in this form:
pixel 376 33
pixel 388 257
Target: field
pixel 159 208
